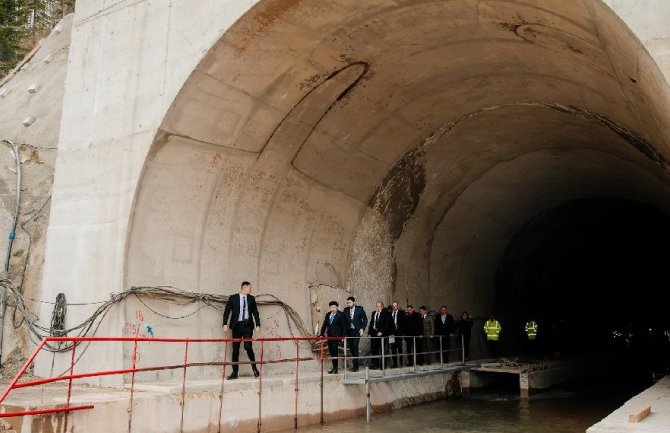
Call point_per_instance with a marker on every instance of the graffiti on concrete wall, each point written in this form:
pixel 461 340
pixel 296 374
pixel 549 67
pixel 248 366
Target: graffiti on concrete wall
pixel 138 328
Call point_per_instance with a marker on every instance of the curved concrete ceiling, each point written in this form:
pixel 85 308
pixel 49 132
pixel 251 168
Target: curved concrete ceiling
pixel 393 147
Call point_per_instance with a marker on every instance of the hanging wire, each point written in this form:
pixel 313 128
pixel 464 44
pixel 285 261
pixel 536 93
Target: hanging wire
pixel 168 294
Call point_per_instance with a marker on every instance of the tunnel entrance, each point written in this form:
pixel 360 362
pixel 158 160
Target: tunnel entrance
pixel 585 270
pixel 381 154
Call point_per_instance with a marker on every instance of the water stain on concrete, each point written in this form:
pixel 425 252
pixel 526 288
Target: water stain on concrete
pixel 398 196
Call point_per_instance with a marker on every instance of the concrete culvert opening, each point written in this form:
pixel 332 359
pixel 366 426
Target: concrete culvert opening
pixel 328 149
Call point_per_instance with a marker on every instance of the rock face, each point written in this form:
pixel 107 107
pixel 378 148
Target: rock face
pixel 31 102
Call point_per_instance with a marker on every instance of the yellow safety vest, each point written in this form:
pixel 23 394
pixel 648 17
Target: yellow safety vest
pixel 531 330
pixel 492 329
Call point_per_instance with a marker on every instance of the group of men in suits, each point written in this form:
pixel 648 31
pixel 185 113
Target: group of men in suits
pixel 348 323
pixel 389 326
pixel 386 326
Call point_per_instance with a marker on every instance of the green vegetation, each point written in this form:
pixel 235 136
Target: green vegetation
pixel 23 23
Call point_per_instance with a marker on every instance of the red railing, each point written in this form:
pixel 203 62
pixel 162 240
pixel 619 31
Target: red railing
pixel 75 341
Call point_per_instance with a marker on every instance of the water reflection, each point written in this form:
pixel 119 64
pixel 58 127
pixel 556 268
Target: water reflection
pixel 558 411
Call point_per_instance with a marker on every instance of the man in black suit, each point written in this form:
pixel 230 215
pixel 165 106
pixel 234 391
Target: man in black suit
pixel 356 321
pixel 397 333
pixel 334 323
pixel 444 327
pixel 413 332
pixel 244 314
pixel 380 326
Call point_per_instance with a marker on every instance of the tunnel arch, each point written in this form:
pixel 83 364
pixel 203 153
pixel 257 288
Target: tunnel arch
pixel 393 149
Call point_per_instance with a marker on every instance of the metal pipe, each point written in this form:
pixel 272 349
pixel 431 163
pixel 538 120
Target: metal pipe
pixel 441 354
pixel 414 351
pixel 297 371
pixel 381 339
pixel 117 372
pixel 45 411
pixel 463 349
pixel 183 340
pixel 367 394
pixel 132 388
pixel 27 364
pixel 69 386
pixel 223 380
pixel 345 358
pixel 321 358
pixel 12 235
pixel 14 383
pixel 260 391
pixel 183 388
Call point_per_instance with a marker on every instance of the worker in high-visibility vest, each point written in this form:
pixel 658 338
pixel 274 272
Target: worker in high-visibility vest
pixel 492 329
pixel 531 330
pixel 531 335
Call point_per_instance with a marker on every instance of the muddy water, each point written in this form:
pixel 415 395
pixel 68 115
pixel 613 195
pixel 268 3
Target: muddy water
pixel 496 411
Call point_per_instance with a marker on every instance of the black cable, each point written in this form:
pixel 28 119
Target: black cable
pixel 168 294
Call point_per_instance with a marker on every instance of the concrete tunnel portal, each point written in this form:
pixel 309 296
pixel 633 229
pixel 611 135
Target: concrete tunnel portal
pixel 491 155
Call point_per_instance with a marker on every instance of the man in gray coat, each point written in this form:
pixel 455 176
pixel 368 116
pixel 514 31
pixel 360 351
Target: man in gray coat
pixel 428 332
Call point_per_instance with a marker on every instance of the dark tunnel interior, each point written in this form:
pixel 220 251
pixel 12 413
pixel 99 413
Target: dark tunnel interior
pixel 593 274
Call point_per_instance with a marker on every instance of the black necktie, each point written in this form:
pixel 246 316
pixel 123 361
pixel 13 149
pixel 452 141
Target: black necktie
pixel 244 308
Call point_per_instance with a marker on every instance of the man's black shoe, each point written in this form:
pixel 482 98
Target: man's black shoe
pixel 354 370
pixel 232 376
pixel 333 371
pixel 256 373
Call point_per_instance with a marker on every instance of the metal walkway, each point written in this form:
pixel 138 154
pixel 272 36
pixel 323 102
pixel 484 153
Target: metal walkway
pixel 360 378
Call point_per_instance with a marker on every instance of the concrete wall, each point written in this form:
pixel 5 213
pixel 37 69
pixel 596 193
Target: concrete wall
pixel 158 408
pixel 321 149
pixel 649 20
pixel 657 396
pixel 127 62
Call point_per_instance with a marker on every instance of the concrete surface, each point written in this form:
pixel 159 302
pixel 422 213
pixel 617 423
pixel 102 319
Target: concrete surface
pixel 530 379
pixel 157 407
pixel 657 396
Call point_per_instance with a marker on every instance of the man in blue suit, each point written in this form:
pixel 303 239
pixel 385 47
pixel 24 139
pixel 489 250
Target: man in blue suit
pixel 334 324
pixel 356 321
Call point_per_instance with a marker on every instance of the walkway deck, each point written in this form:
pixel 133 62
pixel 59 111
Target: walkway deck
pixel 359 378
